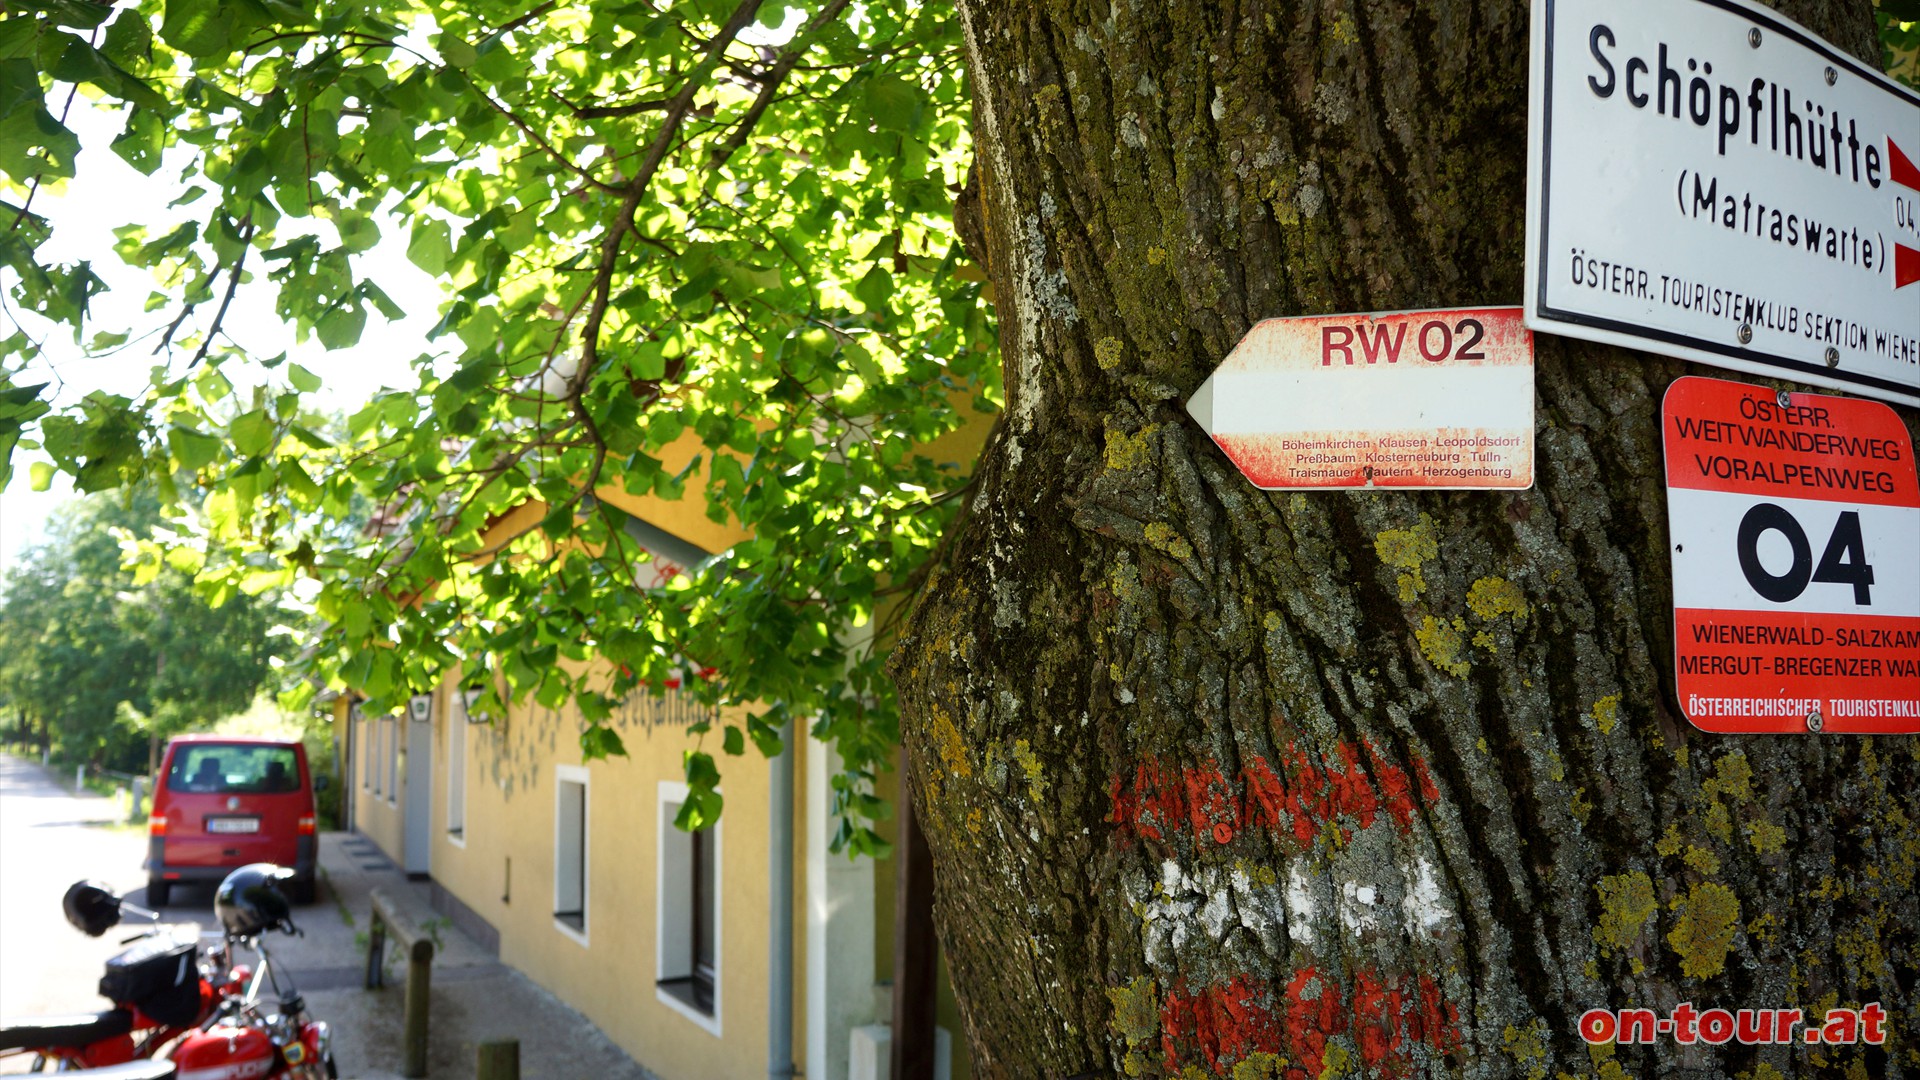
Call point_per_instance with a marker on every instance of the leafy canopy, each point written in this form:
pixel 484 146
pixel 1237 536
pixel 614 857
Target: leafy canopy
pixel 698 245
pixel 100 658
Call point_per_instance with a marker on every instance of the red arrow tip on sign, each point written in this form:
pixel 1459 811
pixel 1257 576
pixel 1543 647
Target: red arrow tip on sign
pixel 1906 266
pixel 1900 167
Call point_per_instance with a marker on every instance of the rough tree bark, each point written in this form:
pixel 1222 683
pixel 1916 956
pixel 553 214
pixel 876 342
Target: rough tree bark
pixel 1223 783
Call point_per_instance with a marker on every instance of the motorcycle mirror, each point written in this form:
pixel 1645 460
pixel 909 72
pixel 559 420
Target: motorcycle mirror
pixel 128 907
pixel 91 907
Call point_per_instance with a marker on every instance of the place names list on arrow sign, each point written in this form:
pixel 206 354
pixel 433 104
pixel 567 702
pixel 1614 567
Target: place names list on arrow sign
pixel 1413 399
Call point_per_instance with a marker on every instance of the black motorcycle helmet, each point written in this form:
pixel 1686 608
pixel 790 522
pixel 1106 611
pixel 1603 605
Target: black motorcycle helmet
pixel 249 902
pixel 91 907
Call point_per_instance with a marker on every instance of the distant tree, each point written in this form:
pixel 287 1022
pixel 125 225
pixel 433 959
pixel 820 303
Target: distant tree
pixel 99 660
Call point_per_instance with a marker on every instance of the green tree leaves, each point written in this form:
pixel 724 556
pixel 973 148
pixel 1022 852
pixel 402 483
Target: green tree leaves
pixel 684 257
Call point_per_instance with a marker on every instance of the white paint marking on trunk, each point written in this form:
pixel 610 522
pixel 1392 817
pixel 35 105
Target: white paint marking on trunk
pixel 1300 908
pixel 1424 907
pixel 1356 910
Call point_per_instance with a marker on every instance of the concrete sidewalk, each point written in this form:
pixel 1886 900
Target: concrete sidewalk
pixel 475 997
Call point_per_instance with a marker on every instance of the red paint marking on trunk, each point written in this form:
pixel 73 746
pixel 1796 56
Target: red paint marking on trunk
pixel 1222 1023
pixel 1394 789
pixel 1160 800
pixel 1439 1018
pixel 1387 1013
pixel 1266 799
pixel 1427 789
pixel 1227 1022
pixel 1314 1014
pixel 1352 795
pixel 1376 1019
pixel 1210 801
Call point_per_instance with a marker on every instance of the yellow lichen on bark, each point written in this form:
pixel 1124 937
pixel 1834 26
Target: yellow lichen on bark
pixel 1492 597
pixel 953 749
pixel 1030 767
pixel 1126 451
pixel 1407 549
pixel 1440 643
pixel 1626 903
pixel 1606 713
pixel 1708 917
pixel 1135 1019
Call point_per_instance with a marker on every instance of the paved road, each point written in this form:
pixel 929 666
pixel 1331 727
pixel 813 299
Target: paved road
pixel 50 838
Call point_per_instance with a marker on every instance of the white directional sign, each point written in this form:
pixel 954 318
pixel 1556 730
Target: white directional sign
pixel 1711 181
pixel 1402 399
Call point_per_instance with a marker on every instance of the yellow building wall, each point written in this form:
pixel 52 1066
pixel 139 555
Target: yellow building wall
pixel 377 813
pixel 503 866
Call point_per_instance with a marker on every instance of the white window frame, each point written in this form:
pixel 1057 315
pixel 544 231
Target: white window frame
pixel 673 793
pixel 392 724
pixel 564 775
pixel 457 765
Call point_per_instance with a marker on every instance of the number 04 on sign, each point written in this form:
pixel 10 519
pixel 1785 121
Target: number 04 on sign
pixel 1407 399
pixel 1795 530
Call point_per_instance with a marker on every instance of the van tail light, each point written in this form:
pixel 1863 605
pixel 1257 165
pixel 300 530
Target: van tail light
pixel 305 825
pixel 157 825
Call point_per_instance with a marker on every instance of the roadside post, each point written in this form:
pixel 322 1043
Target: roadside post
pixel 389 919
pixel 499 1059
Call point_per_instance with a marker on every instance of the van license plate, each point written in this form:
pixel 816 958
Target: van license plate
pixel 233 825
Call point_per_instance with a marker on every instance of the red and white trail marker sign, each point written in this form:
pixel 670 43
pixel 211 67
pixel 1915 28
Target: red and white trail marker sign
pixel 1407 399
pixel 1795 534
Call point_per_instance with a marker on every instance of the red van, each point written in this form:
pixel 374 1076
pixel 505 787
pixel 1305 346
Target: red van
pixel 225 801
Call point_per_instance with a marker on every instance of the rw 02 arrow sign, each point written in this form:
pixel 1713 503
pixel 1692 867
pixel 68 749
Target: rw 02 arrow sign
pixel 1408 399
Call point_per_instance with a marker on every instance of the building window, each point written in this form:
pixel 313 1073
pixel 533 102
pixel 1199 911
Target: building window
pixel 362 731
pixel 457 766
pixel 570 862
pixel 391 725
pixel 377 756
pixel 688 908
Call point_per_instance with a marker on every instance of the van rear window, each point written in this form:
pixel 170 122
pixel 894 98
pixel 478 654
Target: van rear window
pixel 233 769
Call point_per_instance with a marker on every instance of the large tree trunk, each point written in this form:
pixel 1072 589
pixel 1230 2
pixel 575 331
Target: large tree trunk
pixel 1383 784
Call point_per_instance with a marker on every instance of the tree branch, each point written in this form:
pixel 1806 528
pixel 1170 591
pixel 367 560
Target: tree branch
pixel 233 283
pixel 540 141
pixel 636 188
pixel 770 83
pixel 525 19
pixel 605 112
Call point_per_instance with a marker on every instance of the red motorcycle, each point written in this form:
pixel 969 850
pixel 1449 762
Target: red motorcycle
pixel 163 987
pixel 189 1004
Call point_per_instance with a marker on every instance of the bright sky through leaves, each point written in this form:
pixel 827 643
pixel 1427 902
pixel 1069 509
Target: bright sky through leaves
pixel 697 251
